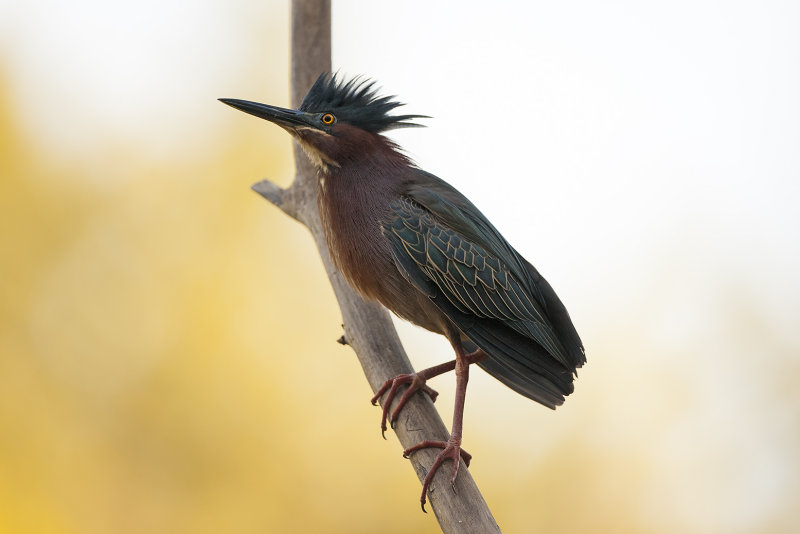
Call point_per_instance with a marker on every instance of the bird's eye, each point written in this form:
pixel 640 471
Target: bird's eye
pixel 328 118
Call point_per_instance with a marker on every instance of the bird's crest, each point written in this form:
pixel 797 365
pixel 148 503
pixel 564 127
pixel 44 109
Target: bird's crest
pixel 355 101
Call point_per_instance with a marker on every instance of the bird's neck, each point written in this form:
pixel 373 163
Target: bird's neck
pixel 363 184
pixel 353 201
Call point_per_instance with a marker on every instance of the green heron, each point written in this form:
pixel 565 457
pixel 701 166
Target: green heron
pixel 409 240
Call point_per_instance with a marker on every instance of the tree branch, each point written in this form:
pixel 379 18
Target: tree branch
pixel 367 325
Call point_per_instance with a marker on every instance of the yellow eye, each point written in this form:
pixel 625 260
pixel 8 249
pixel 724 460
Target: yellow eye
pixel 328 118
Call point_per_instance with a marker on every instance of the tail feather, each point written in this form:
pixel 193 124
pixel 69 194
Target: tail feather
pixel 515 360
pixel 522 365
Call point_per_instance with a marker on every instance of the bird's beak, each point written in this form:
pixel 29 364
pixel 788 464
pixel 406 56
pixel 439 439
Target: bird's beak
pixel 288 119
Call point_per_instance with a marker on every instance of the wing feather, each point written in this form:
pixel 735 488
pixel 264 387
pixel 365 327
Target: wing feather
pixel 448 250
pixel 484 286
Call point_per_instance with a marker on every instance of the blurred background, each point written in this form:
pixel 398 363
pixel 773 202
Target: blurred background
pixel 167 339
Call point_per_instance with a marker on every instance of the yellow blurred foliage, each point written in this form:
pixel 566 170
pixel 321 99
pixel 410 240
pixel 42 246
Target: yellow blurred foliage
pixel 168 357
pixel 167 364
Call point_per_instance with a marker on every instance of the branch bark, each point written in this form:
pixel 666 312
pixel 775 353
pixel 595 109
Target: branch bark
pixel 367 325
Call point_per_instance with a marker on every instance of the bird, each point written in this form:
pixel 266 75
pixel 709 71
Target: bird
pixel 412 242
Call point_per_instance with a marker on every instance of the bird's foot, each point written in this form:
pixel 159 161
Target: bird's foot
pixel 451 450
pixel 415 381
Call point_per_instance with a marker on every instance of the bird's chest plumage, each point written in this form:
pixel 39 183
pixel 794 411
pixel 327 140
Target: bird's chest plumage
pixel 352 217
pixel 354 211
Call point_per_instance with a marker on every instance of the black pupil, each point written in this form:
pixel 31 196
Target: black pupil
pixel 327 118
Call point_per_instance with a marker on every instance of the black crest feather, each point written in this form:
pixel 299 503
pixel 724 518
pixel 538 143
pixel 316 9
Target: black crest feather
pixel 355 101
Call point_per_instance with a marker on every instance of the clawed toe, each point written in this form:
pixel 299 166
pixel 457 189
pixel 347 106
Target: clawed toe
pixel 451 450
pixel 415 383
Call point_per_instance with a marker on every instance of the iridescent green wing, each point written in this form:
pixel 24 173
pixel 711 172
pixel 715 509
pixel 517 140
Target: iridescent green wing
pixel 442 261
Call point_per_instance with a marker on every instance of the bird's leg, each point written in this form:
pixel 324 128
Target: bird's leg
pixel 451 449
pixel 416 382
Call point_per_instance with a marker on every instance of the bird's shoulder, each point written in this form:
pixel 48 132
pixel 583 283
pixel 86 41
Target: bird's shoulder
pixel 454 212
pixel 451 241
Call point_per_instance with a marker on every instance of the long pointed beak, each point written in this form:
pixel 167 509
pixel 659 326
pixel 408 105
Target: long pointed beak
pixel 285 118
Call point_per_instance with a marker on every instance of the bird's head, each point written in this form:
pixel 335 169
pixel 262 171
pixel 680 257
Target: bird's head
pixel 337 121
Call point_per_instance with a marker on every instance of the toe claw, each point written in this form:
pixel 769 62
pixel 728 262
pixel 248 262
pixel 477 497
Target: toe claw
pixel 451 450
pixel 415 383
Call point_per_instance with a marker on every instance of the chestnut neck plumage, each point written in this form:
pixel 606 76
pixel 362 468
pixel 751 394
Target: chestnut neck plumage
pixel 354 192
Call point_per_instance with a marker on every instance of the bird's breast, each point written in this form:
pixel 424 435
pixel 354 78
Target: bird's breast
pixel 357 246
pixel 352 221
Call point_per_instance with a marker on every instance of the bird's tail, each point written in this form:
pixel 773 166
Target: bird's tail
pixel 521 364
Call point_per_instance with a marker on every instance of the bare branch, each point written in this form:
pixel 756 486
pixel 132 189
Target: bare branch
pixel 367 326
pixel 270 191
